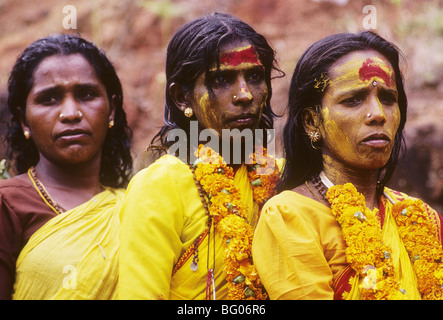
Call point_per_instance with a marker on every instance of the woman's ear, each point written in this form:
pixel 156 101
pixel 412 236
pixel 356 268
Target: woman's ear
pixel 311 120
pixel 22 118
pixel 180 97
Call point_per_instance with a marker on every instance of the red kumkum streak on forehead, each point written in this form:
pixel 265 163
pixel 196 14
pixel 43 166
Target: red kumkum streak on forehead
pixel 235 58
pixel 369 70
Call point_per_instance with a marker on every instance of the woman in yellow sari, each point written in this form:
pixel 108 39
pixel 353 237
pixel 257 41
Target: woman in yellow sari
pixel 69 140
pixel 337 231
pixel 188 220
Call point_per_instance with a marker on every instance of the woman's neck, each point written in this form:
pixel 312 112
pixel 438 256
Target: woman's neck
pixel 365 181
pixel 69 185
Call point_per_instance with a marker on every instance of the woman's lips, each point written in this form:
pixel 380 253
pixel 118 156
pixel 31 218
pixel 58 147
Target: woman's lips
pixel 246 120
pixel 377 140
pixel 72 135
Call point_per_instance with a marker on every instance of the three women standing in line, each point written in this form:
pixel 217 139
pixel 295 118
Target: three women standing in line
pixel 187 226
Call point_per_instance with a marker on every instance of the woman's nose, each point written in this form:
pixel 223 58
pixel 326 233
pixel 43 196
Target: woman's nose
pixel 376 113
pixel 243 94
pixel 69 110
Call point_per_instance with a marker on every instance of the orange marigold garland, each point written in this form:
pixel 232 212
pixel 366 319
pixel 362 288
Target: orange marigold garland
pixel 420 237
pixel 370 258
pixel 229 216
pixel 263 175
pixel 365 251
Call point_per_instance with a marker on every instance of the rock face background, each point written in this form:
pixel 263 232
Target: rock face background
pixel 134 35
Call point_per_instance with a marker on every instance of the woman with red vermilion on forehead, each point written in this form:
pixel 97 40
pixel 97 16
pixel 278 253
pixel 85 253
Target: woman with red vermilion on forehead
pixel 187 226
pixel 337 231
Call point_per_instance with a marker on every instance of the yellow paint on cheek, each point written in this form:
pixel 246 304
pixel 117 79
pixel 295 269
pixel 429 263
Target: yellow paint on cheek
pixel 204 101
pixel 338 140
pixel 206 111
pixel 397 117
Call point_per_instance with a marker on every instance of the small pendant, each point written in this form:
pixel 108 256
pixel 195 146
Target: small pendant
pixel 194 266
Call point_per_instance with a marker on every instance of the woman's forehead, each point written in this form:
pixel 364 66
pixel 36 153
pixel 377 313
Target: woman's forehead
pixel 239 54
pixel 236 53
pixel 362 66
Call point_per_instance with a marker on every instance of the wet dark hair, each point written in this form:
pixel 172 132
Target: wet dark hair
pixel 116 162
pixel 193 49
pixel 302 160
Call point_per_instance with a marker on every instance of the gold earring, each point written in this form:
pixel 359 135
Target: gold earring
pixel 188 112
pixel 27 134
pixel 314 136
pixel 111 124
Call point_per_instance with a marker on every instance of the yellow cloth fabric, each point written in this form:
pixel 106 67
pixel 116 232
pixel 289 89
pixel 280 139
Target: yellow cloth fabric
pixel 299 250
pixel 75 254
pixel 161 217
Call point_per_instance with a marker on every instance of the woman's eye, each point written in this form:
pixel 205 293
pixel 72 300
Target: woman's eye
pixel 388 99
pixel 48 101
pixel 220 80
pixel 352 101
pixel 87 95
pixel 255 76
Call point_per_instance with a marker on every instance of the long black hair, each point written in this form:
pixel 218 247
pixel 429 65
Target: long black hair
pixel 302 160
pixel 193 49
pixel 116 162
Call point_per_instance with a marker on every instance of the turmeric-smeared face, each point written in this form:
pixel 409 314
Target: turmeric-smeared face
pixel 360 111
pixel 240 90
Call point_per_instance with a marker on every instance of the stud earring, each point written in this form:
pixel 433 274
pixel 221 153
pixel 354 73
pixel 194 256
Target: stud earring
pixel 188 112
pixel 234 97
pixel 27 134
pixel 374 83
pixel 111 124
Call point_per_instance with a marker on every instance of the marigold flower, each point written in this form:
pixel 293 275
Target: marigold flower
pixel 362 233
pixel 229 215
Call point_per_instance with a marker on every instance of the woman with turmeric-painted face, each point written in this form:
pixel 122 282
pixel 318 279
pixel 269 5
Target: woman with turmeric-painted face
pixel 337 231
pixel 188 219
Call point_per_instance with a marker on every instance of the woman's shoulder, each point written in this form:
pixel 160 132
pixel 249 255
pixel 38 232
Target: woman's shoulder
pixel 19 197
pixel 165 163
pixel 165 170
pixel 15 185
pixel 295 202
pixel 397 196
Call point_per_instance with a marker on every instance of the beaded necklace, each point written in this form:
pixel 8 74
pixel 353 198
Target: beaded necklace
pixel 43 192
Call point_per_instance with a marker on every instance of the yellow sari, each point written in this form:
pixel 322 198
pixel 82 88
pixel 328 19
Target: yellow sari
pixel 161 217
pixel 74 255
pixel 299 251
